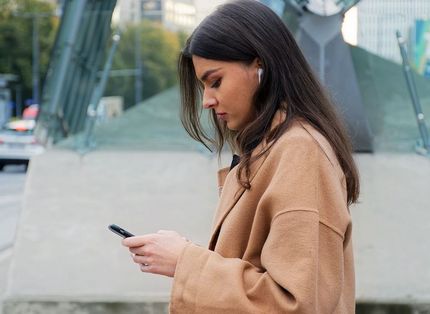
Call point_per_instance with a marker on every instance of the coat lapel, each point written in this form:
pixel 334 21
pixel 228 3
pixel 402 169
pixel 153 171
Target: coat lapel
pixel 231 191
pixel 231 188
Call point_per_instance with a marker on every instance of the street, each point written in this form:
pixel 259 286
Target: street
pixel 12 181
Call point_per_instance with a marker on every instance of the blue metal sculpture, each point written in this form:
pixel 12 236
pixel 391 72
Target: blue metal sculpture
pixel 319 36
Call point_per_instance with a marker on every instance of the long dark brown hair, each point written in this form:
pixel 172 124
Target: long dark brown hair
pixel 242 31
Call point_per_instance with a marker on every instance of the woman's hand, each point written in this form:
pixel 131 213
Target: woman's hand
pixel 157 253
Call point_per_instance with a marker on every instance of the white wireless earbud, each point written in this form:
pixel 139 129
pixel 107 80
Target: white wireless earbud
pixel 260 74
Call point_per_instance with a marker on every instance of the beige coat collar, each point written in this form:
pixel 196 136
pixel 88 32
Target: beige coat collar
pixel 230 196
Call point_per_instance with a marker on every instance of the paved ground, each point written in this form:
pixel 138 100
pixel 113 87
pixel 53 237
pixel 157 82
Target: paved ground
pixel 12 182
pixel 5 258
pixel 11 189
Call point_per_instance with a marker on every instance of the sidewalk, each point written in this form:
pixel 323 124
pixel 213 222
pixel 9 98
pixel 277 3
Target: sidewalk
pixel 5 258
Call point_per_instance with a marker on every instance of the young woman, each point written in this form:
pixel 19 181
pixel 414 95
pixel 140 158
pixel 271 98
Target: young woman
pixel 281 241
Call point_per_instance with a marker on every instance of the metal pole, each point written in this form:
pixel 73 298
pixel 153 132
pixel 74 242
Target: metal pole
pixel 98 92
pixel 18 100
pixel 413 92
pixel 138 60
pixel 34 16
pixel 35 67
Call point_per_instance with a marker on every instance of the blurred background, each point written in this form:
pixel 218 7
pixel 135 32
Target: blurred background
pixel 90 135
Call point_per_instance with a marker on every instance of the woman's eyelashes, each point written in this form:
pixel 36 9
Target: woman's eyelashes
pixel 216 84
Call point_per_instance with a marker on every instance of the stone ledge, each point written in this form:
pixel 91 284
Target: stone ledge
pixel 378 308
pixel 64 307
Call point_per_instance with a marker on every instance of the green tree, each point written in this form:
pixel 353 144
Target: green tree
pixel 16 39
pixel 159 53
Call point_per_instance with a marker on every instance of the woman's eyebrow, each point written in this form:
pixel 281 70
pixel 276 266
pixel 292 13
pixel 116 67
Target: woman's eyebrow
pixel 207 73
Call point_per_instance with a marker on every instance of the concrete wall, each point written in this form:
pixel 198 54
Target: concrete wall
pixel 391 229
pixel 63 249
pixel 66 261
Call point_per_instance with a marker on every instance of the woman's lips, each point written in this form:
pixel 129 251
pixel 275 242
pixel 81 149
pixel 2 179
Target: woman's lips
pixel 222 116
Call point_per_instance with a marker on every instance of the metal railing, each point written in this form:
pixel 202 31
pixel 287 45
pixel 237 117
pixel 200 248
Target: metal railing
pixel 423 146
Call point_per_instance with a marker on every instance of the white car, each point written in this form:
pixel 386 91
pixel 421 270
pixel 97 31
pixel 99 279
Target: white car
pixel 17 146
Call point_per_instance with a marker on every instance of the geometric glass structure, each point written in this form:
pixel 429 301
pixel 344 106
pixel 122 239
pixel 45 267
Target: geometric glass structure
pixel 73 70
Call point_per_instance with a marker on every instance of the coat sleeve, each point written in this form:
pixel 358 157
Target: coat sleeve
pixel 292 279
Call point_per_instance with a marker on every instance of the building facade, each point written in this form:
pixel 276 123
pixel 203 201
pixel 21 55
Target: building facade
pixel 379 20
pixel 206 7
pixel 176 15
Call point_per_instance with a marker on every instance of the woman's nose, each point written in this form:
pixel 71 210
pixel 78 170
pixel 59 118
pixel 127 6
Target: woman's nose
pixel 209 102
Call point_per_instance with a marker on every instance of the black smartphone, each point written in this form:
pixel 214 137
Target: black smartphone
pixel 120 231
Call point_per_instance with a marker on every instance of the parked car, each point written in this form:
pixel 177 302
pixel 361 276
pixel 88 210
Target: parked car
pixel 18 143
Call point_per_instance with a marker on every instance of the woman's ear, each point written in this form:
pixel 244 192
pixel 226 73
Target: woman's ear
pixel 259 64
pixel 256 63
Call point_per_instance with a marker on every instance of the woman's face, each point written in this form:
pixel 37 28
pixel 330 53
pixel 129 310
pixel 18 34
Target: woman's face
pixel 228 89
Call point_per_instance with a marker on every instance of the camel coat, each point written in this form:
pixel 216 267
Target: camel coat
pixel 284 246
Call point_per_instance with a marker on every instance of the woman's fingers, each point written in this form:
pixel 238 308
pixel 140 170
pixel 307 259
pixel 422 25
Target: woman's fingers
pixel 146 268
pixel 141 250
pixel 137 241
pixel 142 259
pixel 146 263
pixel 158 252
